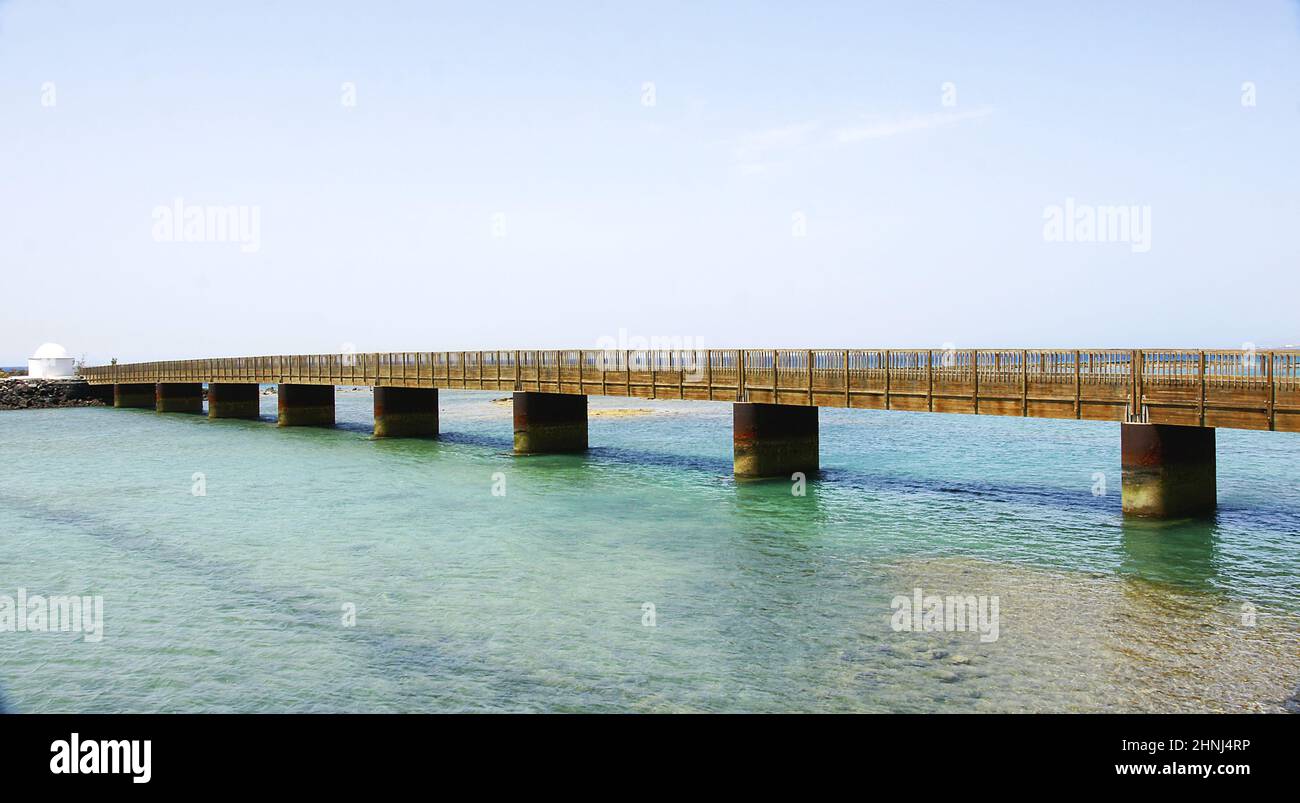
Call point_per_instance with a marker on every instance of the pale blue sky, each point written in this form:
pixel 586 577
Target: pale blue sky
pixel 924 221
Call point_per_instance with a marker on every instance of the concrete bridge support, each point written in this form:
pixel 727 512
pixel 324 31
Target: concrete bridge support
pixel 1168 471
pixel 774 440
pixel 179 397
pixel 406 412
pixel 234 400
pixel 142 395
pixel 547 423
pixel 306 405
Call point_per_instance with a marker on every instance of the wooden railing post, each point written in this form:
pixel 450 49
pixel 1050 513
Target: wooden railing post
pixel 1024 382
pixel 810 376
pixel 708 371
pixel 740 375
pixel 1202 377
pixel 1272 390
pixel 776 379
pixel 848 399
pixel 1138 369
pixel 1078 388
pixel 887 378
pixel 929 376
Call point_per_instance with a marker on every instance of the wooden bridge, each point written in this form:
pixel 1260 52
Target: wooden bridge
pixel 1246 390
pixel 1169 401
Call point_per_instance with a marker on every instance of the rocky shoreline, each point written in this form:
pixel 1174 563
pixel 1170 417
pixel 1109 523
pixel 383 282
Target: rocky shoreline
pixel 36 394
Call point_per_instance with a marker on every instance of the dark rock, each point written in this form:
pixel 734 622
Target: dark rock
pixel 22 394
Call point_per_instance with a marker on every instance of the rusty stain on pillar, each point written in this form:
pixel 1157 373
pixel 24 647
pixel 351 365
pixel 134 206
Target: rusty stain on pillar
pixel 1168 471
pixel 179 397
pixel 142 395
pixel 774 440
pixel 234 400
pixel 306 405
pixel 406 412
pixel 549 423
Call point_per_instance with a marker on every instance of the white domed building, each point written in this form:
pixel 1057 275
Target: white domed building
pixel 51 361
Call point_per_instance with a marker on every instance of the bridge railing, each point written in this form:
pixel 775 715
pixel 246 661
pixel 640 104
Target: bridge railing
pixel 826 367
pixel 1253 389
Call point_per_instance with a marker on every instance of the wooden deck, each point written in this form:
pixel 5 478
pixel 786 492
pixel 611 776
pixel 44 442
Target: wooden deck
pixel 1239 389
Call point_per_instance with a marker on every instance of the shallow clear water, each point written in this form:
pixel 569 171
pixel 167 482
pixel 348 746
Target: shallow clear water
pixel 533 601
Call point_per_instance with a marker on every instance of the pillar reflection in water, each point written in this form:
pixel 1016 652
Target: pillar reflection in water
pixel 1182 553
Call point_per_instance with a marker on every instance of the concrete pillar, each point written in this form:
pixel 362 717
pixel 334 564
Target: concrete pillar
pixel 179 397
pixel 143 395
pixel 774 440
pixel 550 423
pixel 1168 470
pixel 406 412
pixel 234 400
pixel 306 405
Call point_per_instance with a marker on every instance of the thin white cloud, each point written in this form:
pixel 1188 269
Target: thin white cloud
pixel 890 127
pixel 758 151
pixel 754 148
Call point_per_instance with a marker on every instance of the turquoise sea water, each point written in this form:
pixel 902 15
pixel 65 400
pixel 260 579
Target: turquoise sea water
pixel 535 600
